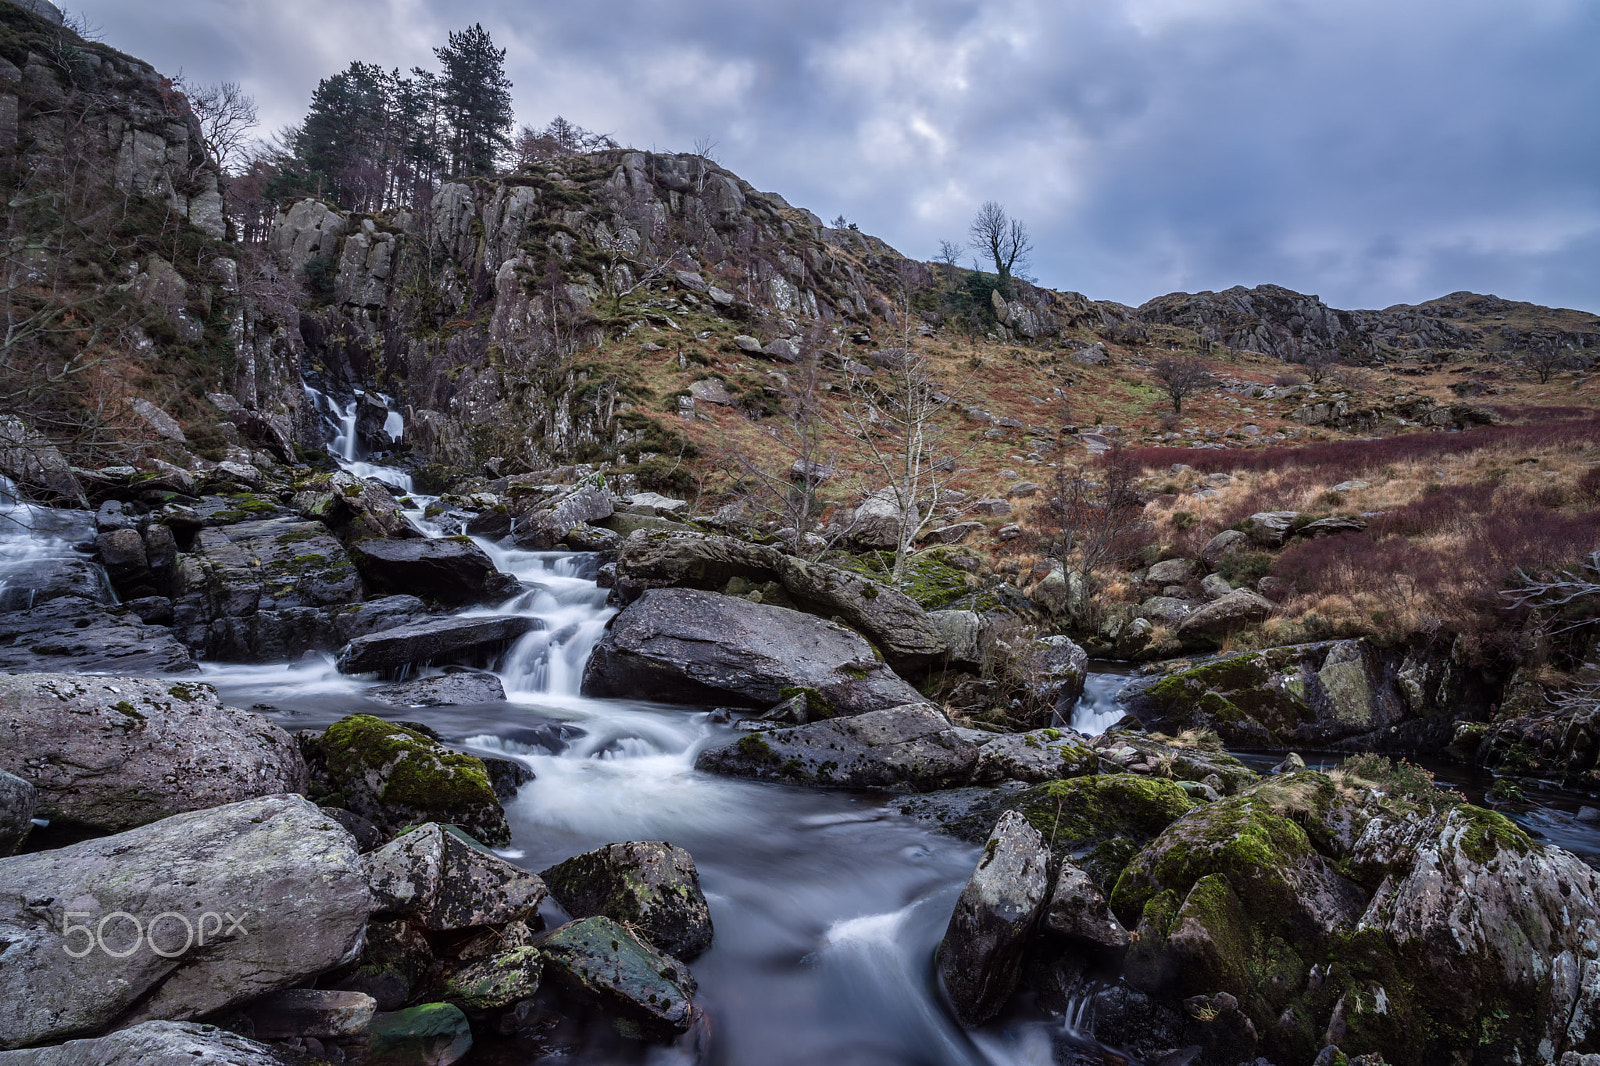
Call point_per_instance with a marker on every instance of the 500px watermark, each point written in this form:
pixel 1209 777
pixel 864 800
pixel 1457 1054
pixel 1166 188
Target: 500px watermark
pixel 169 934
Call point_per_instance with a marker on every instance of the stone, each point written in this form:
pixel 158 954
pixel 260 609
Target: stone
pixel 782 349
pixel 1059 667
pixel 240 900
pixel 497 981
pixel 19 800
pixel 877 521
pixel 1351 486
pixel 555 519
pixel 317 1012
pixel 1008 532
pixel 951 534
pixel 395 776
pixel 1239 609
pixel 991 508
pixel 964 636
pixel 160 423
pixel 711 390
pixel 1328 527
pixel 911 747
pixel 430 1034
pixel 449 570
pixel 36 466
pixel 71 632
pixel 650 886
pixel 980 957
pixel 1270 529
pixel 107 754
pixel 353 507
pixel 1039 755
pixel 1169 572
pixel 654 503
pixel 688 646
pixel 1078 911
pixel 154 1044
pixel 1023 490
pixel 445 690
pixel 1215 586
pixel 600 960
pixel 435 642
pixel 1222 545
pixel 392 966
pixel 443 879
pixel 1165 610
pixel 747 343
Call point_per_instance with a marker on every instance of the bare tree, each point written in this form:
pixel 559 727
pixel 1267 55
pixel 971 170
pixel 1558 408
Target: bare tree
pixel 949 257
pixel 560 138
pixel 891 418
pixel 1181 377
pixel 1319 363
pixel 1568 598
pixel 227 114
pixel 1093 523
pixel 1003 238
pixel 1547 359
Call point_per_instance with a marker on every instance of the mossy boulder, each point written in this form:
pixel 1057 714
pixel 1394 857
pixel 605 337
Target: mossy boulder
pixel 430 1034
pixel 1037 756
pixel 649 885
pixel 648 994
pixel 443 880
pixel 495 981
pixel 1101 821
pixel 395 777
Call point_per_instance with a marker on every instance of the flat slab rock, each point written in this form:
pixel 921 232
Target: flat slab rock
pixel 688 646
pixel 445 690
pixel 154 1044
pixel 438 641
pixel 73 633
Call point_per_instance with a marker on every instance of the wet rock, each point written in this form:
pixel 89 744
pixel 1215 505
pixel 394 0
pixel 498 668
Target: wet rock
pixel 273 887
pixel 506 776
pixel 352 507
pixel 1059 668
pixel 445 690
pixel 392 967
pixel 687 646
pixel 1078 911
pixel 1122 746
pixel 431 1034
pixel 650 993
pixel 74 633
pixel 445 880
pixel 317 1012
pixel 1041 755
pixel 586 538
pixel 968 813
pixel 108 754
pixel 448 570
pixel 980 957
pixel 1239 609
pixel 650 886
pixel 912 746
pixel 373 616
pixel 1103 819
pixel 154 1044
pixel 495 981
pixel 435 642
pixel 18 802
pixel 551 522
pixel 395 776
pixel 37 466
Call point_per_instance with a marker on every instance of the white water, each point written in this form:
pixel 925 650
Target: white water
pixel 37 540
pixel 1097 710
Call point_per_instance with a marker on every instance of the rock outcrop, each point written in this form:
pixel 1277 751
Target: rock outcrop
pixel 650 886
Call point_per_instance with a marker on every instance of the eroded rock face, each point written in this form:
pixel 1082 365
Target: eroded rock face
pixel 445 880
pixel 600 960
pixel 912 746
pixel 288 874
pixel 649 885
pixel 18 802
pixel 449 570
pixel 395 777
pixel 154 1044
pixel 980 958
pixel 109 754
pixel 687 646
pixel 83 634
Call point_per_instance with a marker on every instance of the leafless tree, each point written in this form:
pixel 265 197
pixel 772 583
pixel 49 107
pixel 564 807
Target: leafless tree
pixel 1181 377
pixel 1319 363
pixel 1003 238
pixel 227 114
pixel 560 138
pixel 949 257
pixel 1095 518
pixel 1548 359
pixel 1568 598
pixel 891 418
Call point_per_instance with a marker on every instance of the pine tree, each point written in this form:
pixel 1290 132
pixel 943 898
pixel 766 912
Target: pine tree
pixel 476 98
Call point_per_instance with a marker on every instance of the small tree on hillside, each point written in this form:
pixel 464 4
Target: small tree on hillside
pixel 1004 239
pixel 1095 519
pixel 1319 364
pixel 227 114
pixel 1547 359
pixel 476 95
pixel 1181 377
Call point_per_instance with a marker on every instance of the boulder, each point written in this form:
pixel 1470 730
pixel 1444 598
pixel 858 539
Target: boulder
pixel 596 958
pixel 352 507
pixel 687 646
pixel 185 917
pixel 36 466
pixel 954 533
pixel 1042 755
pixel 108 754
pixel 154 1044
pixel 392 966
pixel 711 390
pixel 1215 586
pixel 1102 818
pixel 1165 610
pixel 1058 668
pixel 1169 572
pixel 1210 624
pixel 965 636
pixel 301 1012
pixel 980 957
pixel 1222 545
pixel 71 632
pixel 445 690
pixel 1328 527
pixel 430 1034
pixel 497 980
pixel 448 570
pixel 442 879
pixel 912 746
pixel 554 519
pixel 1270 529
pixel 19 800
pixel 1078 911
pixel 395 776
pixel 650 886
pixel 877 521
pixel 435 642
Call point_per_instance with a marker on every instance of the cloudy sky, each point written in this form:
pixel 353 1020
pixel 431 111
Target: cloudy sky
pixel 1371 151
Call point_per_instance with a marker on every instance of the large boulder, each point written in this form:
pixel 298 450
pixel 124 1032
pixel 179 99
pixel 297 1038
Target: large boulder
pixel 188 916
pixel 394 777
pixel 447 570
pixel 352 507
pixel 393 964
pixel 434 642
pixel 1209 625
pixel 549 523
pixel 451 689
pixel 1102 819
pixel 980 957
pixel 1078 912
pixel 154 1044
pixel 599 960
pixel 687 646
pixel 1270 528
pixel 19 800
pixel 1040 755
pixel 429 1034
pixel 1224 544
pixel 443 880
pixel 912 746
pixel 110 753
pixel 1369 910
pixel 79 634
pixel 649 885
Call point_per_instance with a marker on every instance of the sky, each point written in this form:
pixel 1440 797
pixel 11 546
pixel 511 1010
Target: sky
pixel 1373 152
